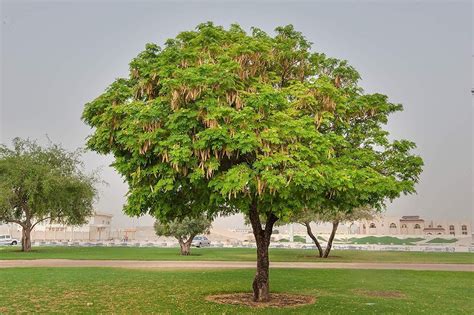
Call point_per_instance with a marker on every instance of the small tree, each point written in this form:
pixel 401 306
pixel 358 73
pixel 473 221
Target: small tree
pixel 184 230
pixel 43 184
pixel 335 218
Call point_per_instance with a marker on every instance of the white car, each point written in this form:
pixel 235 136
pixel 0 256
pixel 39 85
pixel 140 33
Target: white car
pixel 200 241
pixel 8 240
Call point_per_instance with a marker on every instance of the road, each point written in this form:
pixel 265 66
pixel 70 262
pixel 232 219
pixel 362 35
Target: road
pixel 140 264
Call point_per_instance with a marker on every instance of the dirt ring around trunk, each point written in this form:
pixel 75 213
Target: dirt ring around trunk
pixel 276 300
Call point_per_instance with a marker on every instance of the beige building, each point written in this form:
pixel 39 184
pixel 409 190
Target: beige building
pixel 98 228
pixel 414 225
pixel 388 225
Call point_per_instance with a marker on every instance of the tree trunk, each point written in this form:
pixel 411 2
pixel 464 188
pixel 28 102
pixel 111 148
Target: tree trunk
pixel 185 246
pixel 261 284
pixel 331 238
pixel 26 239
pixel 315 240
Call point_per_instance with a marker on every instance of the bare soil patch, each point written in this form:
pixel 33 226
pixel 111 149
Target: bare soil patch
pixel 276 300
pixel 382 294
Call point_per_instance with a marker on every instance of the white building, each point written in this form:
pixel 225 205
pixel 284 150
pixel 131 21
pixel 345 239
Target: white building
pixel 98 228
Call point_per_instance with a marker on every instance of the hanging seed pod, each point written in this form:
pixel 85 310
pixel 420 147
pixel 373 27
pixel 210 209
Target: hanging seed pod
pixel 149 89
pixel 238 102
pixel 175 100
pixel 317 120
pixel 328 103
pixel 175 166
pixel 209 172
pixel 165 157
pixel 230 97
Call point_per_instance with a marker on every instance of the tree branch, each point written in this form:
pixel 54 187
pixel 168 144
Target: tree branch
pixel 271 219
pixel 40 220
pixel 314 238
pixel 254 217
pixel 15 221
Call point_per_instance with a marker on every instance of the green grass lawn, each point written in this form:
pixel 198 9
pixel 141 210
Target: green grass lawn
pixel 231 254
pixel 108 290
pixel 386 240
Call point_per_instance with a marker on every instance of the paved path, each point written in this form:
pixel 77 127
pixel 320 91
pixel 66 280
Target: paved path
pixel 140 264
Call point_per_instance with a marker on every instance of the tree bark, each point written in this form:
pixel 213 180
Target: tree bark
pixel 26 239
pixel 261 285
pixel 315 240
pixel 185 247
pixel 331 239
pixel 26 231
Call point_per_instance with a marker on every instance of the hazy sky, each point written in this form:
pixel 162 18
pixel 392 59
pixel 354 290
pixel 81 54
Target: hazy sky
pixel 56 56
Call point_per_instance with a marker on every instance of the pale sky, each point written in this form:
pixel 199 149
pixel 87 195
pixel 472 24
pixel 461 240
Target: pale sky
pixel 56 56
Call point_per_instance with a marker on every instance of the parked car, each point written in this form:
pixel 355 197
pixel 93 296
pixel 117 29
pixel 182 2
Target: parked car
pixel 200 241
pixel 8 240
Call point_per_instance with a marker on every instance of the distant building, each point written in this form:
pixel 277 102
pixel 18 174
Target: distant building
pixel 98 228
pixel 414 225
pixel 390 225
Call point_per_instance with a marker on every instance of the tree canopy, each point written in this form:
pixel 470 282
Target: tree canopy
pixel 251 123
pixel 184 230
pixel 43 184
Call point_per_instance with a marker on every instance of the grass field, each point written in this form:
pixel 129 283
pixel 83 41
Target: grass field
pixel 231 254
pixel 108 290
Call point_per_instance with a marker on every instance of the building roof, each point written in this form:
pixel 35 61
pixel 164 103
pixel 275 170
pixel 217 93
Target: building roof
pixel 103 214
pixel 412 218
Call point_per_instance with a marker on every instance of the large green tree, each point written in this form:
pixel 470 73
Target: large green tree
pixel 247 123
pixel 184 230
pixel 43 184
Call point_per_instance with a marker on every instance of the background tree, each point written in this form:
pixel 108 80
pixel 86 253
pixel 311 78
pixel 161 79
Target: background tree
pixel 184 230
pixel 335 218
pixel 248 123
pixel 43 184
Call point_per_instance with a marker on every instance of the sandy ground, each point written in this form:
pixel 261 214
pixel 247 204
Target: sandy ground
pixel 134 264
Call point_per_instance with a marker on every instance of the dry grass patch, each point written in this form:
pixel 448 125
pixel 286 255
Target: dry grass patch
pixel 276 300
pixel 380 294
